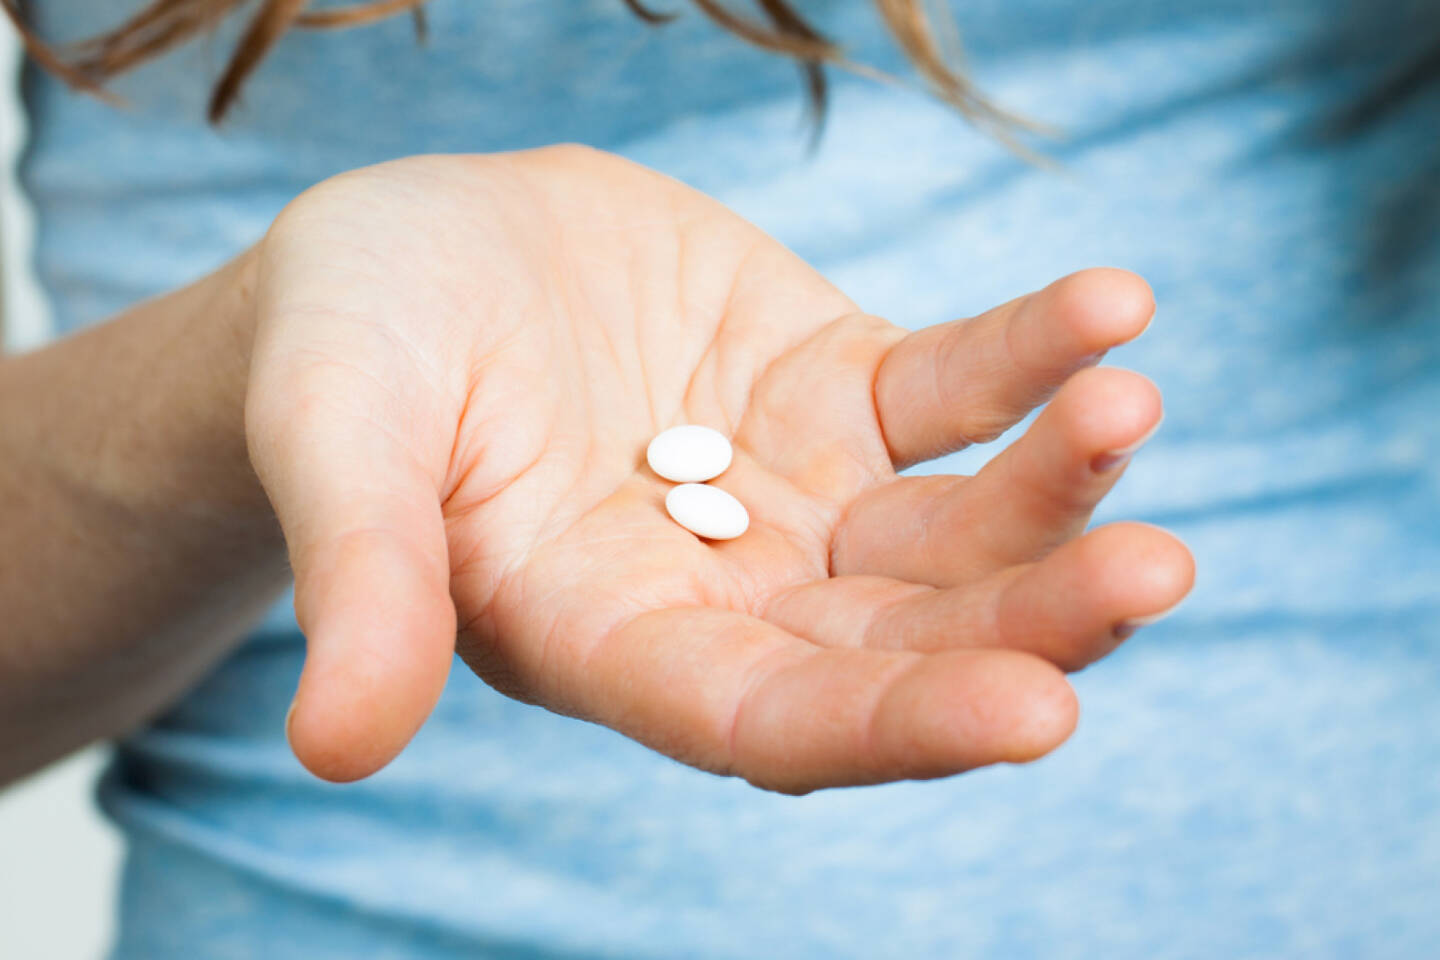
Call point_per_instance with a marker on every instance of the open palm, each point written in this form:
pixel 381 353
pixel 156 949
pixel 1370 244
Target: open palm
pixel 459 364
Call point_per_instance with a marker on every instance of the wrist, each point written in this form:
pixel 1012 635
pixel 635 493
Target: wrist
pixel 195 422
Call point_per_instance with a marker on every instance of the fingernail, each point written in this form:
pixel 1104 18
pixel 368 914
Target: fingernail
pixel 1126 628
pixel 1111 459
pixel 289 715
pixel 1149 320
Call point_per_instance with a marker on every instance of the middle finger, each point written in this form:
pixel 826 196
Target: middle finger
pixel 1035 495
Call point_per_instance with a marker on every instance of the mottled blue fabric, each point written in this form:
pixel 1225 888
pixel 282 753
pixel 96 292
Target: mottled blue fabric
pixel 1257 777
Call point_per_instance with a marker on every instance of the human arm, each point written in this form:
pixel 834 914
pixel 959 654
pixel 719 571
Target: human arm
pixel 137 541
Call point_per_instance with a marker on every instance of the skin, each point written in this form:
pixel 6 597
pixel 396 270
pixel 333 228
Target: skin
pixel 451 368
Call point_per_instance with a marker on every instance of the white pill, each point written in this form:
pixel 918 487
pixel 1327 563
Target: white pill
pixel 689 454
pixel 707 511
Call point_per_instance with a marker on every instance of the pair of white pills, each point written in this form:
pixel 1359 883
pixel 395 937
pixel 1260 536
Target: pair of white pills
pixel 690 455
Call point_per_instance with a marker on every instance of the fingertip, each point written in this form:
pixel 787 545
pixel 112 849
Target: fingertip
pixel 348 722
pixel 1110 411
pixel 1102 307
pixel 315 746
pixel 351 718
pixel 1045 715
pixel 1169 572
pixel 964 709
pixel 1147 570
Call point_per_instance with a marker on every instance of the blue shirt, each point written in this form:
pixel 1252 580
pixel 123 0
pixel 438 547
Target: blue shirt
pixel 1259 776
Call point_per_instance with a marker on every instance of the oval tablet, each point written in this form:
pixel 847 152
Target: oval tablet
pixel 689 454
pixel 707 511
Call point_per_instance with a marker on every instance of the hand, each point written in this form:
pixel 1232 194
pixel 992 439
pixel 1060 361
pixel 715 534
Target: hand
pixel 458 365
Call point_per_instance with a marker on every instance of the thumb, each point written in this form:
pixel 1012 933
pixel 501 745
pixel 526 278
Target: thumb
pixel 362 519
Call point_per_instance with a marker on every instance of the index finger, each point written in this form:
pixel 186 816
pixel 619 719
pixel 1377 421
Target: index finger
pixel 948 386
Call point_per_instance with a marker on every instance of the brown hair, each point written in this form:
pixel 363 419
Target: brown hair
pixel 927 38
